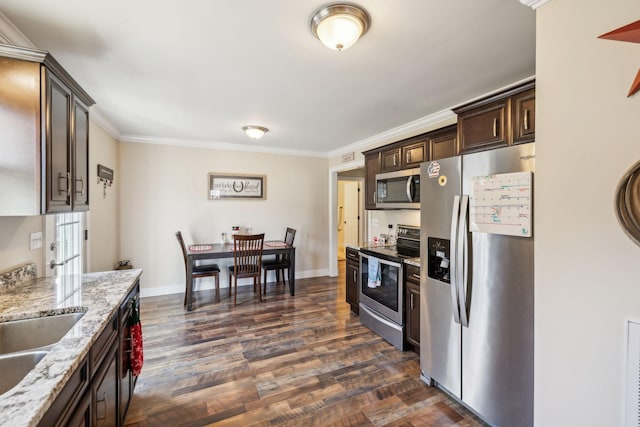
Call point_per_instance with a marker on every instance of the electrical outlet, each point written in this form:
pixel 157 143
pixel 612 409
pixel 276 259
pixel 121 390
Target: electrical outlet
pixel 35 240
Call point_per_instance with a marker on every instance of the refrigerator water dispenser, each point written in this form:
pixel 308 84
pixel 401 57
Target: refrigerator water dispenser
pixel 438 256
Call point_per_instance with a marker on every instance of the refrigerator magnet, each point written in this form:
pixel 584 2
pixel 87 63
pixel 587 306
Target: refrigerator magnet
pixel 442 181
pixel 433 170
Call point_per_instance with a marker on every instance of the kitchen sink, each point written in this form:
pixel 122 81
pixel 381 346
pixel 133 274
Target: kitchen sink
pixel 15 367
pixel 39 333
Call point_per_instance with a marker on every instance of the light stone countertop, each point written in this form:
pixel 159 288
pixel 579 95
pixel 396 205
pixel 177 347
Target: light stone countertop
pixel 99 295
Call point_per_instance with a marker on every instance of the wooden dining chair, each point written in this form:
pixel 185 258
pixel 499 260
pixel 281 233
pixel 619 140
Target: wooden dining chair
pixel 199 271
pixel 281 262
pixel 247 262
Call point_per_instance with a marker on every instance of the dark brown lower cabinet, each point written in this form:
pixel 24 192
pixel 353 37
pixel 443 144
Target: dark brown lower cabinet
pixel 105 391
pixel 412 307
pixel 99 391
pixel 352 271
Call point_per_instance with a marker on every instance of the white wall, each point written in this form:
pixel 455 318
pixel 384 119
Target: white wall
pixel 164 189
pixel 587 270
pixel 103 217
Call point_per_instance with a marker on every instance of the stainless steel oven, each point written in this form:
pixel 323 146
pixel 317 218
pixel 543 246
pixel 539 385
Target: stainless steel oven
pixel 382 285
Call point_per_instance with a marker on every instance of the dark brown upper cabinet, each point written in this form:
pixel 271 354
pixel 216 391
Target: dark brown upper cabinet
pixel 443 143
pixel 48 113
pixel 390 160
pixel 371 169
pixel 500 120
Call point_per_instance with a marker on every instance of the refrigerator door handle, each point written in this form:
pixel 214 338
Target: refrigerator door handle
pixel 462 247
pixel 453 262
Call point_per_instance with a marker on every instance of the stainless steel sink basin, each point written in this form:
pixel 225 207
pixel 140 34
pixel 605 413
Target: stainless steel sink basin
pixel 15 367
pixel 37 333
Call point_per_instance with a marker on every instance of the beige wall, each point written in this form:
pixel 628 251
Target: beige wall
pixel 103 218
pixel 164 189
pixel 14 242
pixel 587 270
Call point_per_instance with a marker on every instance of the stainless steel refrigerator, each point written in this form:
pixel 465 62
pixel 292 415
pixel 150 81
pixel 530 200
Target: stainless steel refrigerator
pixel 476 296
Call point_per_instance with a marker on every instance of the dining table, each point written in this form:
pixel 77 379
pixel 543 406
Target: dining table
pixel 208 251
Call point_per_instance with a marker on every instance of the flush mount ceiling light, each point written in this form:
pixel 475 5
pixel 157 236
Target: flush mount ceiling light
pixel 339 26
pixel 255 132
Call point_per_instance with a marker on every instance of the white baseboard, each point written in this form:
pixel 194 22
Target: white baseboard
pixel 209 283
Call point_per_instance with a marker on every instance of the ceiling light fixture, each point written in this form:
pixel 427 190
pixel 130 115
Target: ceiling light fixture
pixel 339 26
pixel 255 132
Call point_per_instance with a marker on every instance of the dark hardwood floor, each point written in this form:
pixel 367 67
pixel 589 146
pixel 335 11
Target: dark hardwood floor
pixel 290 361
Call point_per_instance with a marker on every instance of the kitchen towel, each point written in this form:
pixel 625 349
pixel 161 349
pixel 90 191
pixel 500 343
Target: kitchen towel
pixel 135 333
pixel 374 273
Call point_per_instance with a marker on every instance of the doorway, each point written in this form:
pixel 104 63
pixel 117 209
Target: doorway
pixel 348 221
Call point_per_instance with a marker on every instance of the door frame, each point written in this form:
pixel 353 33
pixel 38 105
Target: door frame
pixel 333 212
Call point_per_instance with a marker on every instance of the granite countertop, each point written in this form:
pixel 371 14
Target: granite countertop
pixel 366 245
pixel 99 295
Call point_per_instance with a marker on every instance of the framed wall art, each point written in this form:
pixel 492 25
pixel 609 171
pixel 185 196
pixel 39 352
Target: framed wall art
pixel 237 186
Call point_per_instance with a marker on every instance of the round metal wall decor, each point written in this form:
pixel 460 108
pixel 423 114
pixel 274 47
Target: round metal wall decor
pixel 627 203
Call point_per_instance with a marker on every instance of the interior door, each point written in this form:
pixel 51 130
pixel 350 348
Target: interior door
pixel 351 212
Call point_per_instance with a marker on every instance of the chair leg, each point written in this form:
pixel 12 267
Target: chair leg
pixel 265 282
pixel 235 289
pixel 217 288
pixel 259 287
pixel 229 285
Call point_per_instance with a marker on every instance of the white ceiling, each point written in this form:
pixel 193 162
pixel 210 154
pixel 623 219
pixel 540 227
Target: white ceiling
pixel 196 71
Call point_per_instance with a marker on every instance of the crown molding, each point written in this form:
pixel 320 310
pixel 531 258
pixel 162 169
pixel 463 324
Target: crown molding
pixel 10 34
pixel 534 4
pixel 223 146
pixel 101 120
pixel 404 131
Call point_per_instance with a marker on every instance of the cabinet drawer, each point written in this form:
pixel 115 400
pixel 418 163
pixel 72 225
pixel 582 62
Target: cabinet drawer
pixel 353 255
pixel 103 344
pixel 412 273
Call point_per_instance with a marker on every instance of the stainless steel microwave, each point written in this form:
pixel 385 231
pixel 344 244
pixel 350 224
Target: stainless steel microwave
pixel 398 189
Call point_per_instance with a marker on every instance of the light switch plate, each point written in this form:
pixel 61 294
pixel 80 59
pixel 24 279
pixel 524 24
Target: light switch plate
pixel 35 240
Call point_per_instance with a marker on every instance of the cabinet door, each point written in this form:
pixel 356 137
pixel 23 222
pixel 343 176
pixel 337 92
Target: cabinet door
pixel 106 392
pixel 484 127
pixel 414 154
pixel 371 167
pixel 413 314
pixel 443 146
pixel 82 413
pixel 81 157
pixel 524 117
pixel 352 285
pixel 390 160
pixel 57 142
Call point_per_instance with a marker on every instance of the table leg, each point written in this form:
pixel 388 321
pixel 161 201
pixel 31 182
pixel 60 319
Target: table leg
pixel 189 284
pixel 292 272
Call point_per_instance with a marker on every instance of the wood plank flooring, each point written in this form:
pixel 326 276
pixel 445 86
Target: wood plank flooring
pixel 290 361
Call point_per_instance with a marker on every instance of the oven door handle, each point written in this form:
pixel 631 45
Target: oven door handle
pixel 382 260
pixel 453 263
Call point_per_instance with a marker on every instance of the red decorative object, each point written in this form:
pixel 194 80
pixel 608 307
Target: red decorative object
pixel 135 332
pixel 628 33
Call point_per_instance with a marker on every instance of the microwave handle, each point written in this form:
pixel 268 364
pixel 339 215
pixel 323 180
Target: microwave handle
pixel 410 188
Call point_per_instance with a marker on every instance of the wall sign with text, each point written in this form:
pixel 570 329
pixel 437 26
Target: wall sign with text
pixel 229 186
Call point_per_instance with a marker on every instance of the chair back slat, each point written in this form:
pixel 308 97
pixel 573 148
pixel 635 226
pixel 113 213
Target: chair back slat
pixel 247 254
